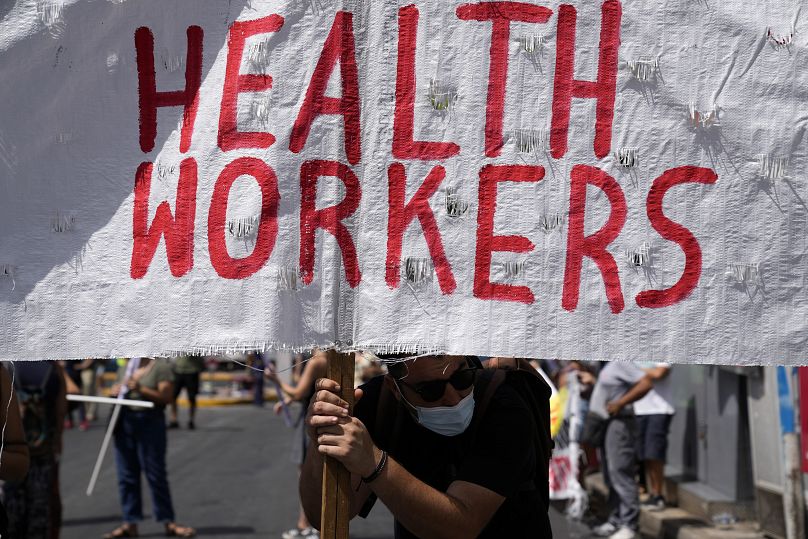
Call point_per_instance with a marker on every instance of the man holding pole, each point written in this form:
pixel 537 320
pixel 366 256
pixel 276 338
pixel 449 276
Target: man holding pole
pixel 440 469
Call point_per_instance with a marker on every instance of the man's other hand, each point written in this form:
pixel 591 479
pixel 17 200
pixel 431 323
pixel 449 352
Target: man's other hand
pixel 614 408
pixel 336 433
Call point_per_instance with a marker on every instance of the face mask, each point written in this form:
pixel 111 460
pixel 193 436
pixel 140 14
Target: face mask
pixel 446 420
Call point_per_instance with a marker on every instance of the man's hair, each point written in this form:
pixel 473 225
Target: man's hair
pixel 400 369
pixel 397 370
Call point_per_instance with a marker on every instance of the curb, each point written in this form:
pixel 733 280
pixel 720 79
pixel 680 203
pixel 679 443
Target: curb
pixel 212 402
pixel 675 523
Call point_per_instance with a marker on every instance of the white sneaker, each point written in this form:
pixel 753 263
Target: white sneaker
pixel 296 533
pixel 624 533
pixel 605 530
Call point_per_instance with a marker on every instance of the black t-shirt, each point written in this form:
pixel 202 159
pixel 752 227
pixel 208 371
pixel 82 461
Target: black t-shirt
pixel 495 452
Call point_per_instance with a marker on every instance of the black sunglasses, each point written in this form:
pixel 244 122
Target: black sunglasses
pixel 433 390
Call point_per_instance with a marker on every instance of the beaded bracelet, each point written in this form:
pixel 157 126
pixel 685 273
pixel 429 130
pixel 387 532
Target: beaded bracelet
pixel 378 471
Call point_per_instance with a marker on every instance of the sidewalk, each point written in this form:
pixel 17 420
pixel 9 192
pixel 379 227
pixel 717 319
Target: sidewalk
pixel 675 523
pixel 216 389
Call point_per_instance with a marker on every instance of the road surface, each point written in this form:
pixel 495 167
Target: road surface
pixel 231 478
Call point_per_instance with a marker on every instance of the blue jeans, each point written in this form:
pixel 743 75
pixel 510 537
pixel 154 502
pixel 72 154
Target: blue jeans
pixel 258 387
pixel 140 445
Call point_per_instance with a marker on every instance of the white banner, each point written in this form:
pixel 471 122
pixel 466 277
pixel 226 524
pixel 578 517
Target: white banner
pixel 573 180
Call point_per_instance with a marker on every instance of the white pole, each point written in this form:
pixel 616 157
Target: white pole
pixel 133 364
pixel 107 400
pixel 104 445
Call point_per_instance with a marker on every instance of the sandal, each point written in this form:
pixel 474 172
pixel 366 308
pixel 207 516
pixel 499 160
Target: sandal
pixel 124 530
pixel 175 530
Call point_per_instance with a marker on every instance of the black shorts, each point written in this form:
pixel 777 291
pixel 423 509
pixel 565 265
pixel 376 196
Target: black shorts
pixel 652 436
pixel 188 381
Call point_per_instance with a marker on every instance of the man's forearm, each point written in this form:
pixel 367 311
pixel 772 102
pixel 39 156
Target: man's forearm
pixel 638 391
pixel 423 510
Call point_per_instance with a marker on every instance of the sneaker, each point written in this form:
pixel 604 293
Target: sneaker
pixel 655 503
pixel 173 425
pixel 624 533
pixel 296 533
pixel 605 530
pixel 191 425
pixel 68 424
pixel 84 425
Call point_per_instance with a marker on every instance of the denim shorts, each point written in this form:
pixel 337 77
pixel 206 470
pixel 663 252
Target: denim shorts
pixel 652 436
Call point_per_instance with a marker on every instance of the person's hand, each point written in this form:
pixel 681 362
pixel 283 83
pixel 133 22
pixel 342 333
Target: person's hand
pixel 326 408
pixel 278 408
pixel 115 390
pixel 587 378
pixel 271 375
pixel 350 443
pixel 133 384
pixel 614 408
pixel 335 432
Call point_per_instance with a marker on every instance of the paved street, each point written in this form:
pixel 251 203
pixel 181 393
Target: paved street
pixel 231 478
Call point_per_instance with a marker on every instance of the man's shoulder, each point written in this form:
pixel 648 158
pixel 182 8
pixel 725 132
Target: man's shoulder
pixel 506 404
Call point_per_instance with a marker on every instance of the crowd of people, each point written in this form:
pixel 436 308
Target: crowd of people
pixel 626 412
pixel 486 467
pixel 36 411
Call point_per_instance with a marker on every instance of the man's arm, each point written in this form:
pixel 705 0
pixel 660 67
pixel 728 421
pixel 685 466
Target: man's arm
pixel 637 391
pixel 657 373
pixel 462 511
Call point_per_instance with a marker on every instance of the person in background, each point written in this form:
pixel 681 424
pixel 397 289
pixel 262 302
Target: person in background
pixel 654 414
pixel 186 370
pixel 302 392
pixel 88 369
pixel 14 453
pixel 140 446
pixel 32 502
pixel 255 360
pixel 72 369
pixel 619 385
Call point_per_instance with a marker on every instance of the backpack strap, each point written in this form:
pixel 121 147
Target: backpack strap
pixel 500 367
pixel 387 408
pixel 490 387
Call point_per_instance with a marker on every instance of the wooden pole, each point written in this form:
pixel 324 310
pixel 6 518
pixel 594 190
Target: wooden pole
pixel 336 503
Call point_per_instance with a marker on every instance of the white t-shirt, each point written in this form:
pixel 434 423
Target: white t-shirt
pixel 659 400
